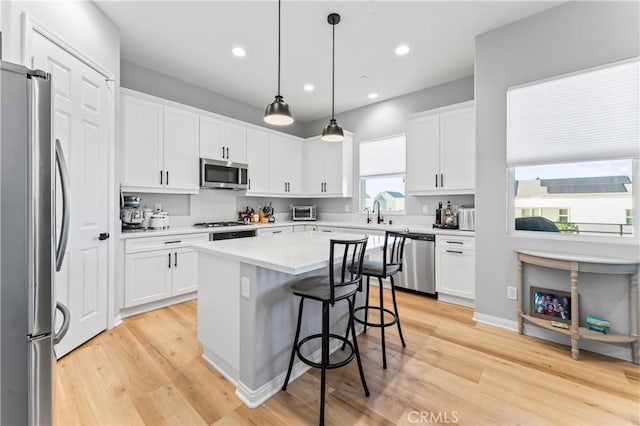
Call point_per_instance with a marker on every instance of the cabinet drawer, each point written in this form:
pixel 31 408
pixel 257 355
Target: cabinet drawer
pixel 278 230
pixel 455 243
pixel 137 245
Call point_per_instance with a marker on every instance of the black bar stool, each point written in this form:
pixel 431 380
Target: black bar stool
pixel 391 264
pixel 344 280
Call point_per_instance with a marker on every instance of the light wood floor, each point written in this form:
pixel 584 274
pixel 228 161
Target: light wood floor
pixel 149 371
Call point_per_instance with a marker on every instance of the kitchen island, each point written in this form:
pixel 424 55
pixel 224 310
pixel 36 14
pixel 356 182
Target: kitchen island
pixel 246 314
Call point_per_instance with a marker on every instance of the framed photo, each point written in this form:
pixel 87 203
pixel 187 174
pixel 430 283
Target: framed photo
pixel 549 304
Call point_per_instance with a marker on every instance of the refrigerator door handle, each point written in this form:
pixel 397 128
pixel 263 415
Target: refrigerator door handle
pixel 64 184
pixel 66 320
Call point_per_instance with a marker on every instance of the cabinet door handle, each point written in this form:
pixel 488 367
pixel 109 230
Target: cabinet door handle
pixel 285 187
pixel 436 180
pixel 173 242
pixel 249 183
pixel 454 251
pixel 160 177
pixel 441 179
pixel 227 153
pixel 169 260
pixel 277 232
pixel 167 177
pixel 223 152
pixel 455 242
pixel 175 260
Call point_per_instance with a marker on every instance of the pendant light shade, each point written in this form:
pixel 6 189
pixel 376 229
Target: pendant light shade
pixel 333 132
pixel 278 112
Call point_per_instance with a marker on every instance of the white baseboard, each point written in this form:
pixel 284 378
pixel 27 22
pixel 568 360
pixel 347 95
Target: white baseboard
pixel 254 398
pixel 456 300
pixel 220 366
pixel 510 325
pixel 135 310
pixel 117 320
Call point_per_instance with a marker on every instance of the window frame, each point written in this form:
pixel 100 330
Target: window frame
pixel 362 179
pixel 615 239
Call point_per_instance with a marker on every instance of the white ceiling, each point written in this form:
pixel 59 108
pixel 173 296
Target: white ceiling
pixel 192 41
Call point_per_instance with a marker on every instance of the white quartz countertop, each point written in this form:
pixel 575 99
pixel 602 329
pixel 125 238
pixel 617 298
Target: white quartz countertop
pixel 351 225
pixel 294 253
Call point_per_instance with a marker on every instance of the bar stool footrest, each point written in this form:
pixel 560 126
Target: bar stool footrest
pixel 330 365
pixel 372 324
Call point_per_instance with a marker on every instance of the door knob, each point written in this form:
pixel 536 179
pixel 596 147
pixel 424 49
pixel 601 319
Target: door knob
pixel 103 236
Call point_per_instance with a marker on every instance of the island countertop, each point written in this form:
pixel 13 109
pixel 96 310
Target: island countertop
pixel 294 253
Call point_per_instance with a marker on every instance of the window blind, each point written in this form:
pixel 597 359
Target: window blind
pixel 383 156
pixel 588 116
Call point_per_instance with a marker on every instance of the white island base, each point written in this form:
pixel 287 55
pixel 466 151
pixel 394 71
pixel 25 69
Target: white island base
pixel 246 314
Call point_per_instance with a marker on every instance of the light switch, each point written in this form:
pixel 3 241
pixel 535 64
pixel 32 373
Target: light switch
pixel 425 209
pixel 244 287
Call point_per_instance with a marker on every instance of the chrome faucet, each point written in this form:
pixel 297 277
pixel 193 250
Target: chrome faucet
pixel 380 218
pixel 368 212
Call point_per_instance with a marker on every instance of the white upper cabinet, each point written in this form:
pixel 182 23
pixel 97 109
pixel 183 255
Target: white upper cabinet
pixel 180 149
pixel 258 161
pixel 160 146
pixel 328 167
pixel 220 140
pixel 441 151
pixel 285 165
pixel 143 151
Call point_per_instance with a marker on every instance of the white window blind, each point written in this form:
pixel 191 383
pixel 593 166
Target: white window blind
pixel 383 156
pixel 592 115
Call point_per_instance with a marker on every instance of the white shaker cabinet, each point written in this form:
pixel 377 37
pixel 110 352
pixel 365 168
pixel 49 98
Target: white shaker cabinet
pixel 441 151
pixel 143 142
pixel 285 165
pixel 147 277
pixel 184 274
pixel 258 161
pixel 328 167
pixel 455 267
pixel 160 145
pixel 181 150
pixel 220 140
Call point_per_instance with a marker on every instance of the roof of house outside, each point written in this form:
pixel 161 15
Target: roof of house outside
pixel 599 184
pixel 395 194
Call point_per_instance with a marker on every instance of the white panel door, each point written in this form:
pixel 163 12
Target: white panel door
pixel 184 271
pixel 458 149
pixel 293 158
pixel 142 143
pixel 212 138
pixel 235 138
pixel 181 150
pixel 455 272
pixel 423 154
pixel 82 105
pixel 279 163
pixel 147 277
pixel 334 168
pixel 314 159
pixel 258 161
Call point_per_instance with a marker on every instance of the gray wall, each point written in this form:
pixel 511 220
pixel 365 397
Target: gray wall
pixel 389 118
pixel 154 83
pixel 564 39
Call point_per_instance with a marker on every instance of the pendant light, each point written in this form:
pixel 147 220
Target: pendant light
pixel 278 112
pixel 333 132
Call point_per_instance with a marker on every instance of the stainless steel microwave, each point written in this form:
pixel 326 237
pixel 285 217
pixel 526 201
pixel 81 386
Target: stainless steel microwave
pixel 304 213
pixel 223 174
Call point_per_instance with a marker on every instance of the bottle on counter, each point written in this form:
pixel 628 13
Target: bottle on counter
pixel 439 214
pixel 447 214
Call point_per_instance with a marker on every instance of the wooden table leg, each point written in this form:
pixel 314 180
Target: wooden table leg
pixel 575 318
pixel 519 280
pixel 633 313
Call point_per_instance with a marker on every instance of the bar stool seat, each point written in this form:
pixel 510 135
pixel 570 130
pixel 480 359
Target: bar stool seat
pixel 344 280
pixel 375 268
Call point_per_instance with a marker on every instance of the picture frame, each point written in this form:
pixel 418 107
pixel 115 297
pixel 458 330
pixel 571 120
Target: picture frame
pixel 550 304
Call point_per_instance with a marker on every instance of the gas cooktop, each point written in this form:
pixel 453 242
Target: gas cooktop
pixel 216 224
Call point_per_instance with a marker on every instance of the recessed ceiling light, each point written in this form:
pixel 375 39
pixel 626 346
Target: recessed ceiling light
pixel 403 49
pixel 363 77
pixel 238 51
pixel 373 95
pixel 309 87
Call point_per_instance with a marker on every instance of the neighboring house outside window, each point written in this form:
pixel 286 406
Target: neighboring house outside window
pixel 382 173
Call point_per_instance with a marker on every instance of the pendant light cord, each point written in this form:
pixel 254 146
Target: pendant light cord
pixel 333 73
pixel 278 47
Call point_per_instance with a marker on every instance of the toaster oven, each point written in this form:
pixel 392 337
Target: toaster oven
pixel 304 213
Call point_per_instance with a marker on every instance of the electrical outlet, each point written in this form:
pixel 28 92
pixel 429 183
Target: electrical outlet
pixel 425 209
pixel 157 206
pixel 245 287
pixel 512 293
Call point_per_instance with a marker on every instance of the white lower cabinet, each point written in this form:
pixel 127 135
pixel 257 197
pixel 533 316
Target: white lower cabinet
pixel 157 268
pixel 276 230
pixel 455 266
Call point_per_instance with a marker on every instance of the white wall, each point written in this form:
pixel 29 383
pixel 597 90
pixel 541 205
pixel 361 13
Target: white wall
pixel 570 37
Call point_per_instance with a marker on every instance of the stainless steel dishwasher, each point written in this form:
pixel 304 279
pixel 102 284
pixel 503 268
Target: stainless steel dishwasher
pixel 418 268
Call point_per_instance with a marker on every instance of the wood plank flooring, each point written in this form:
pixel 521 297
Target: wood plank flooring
pixel 149 371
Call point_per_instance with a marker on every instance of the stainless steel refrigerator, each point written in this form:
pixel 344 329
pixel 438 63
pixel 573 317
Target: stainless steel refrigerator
pixel 30 251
